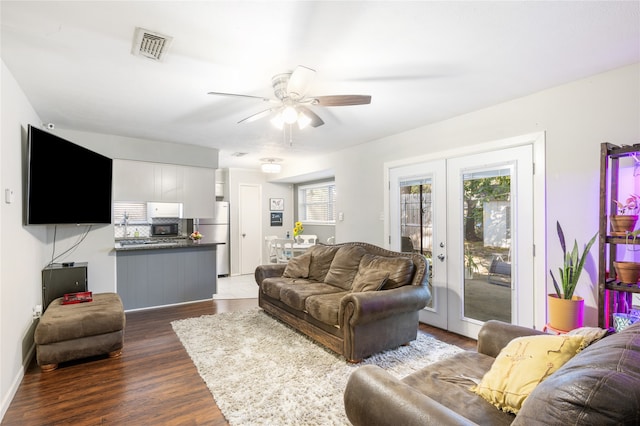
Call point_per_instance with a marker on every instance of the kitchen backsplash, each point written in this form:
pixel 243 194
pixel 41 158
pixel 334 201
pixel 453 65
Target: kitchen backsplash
pixel 143 230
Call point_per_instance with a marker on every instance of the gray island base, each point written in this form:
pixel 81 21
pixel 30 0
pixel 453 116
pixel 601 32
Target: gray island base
pixel 167 276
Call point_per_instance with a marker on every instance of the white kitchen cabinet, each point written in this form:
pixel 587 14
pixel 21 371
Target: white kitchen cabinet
pixel 169 182
pixel 133 180
pixel 199 192
pixel 194 187
pixel 220 183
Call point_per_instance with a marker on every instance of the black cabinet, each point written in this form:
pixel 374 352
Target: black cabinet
pixel 57 280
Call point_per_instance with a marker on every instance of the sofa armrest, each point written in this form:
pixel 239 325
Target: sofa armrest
pixel 375 397
pixel 495 335
pixel 371 306
pixel 269 271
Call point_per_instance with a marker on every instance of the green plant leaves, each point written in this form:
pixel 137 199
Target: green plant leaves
pixel 572 267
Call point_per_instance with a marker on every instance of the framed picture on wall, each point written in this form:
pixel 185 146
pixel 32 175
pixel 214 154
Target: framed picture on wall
pixel 276 219
pixel 276 204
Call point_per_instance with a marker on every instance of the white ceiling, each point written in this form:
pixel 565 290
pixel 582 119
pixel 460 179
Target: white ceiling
pixel 421 62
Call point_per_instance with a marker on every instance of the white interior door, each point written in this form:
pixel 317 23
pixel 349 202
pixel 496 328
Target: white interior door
pixel 477 228
pixel 250 228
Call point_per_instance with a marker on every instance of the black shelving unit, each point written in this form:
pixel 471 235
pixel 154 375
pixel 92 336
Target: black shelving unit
pixel 613 296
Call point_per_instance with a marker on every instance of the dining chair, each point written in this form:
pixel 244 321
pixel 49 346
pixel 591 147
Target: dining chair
pixel 308 239
pixel 283 249
pixel 271 250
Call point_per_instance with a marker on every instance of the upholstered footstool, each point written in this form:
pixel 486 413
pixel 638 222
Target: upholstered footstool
pixel 69 332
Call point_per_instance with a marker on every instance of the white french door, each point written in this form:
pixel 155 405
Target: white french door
pixel 418 193
pixel 473 216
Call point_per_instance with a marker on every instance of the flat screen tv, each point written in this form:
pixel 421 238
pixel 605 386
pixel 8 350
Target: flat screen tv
pixel 66 183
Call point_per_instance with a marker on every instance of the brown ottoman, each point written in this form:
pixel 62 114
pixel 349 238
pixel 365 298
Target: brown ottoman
pixel 68 332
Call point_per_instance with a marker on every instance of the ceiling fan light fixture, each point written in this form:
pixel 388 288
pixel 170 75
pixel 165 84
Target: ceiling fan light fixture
pixel 303 120
pixel 277 121
pixel 289 115
pixel 270 165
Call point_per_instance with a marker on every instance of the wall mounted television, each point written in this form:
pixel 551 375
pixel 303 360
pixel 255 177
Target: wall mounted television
pixel 66 183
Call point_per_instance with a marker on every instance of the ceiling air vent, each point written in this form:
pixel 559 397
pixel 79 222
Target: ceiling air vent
pixel 150 44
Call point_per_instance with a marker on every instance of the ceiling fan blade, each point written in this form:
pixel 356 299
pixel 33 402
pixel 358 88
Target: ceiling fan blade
pixel 316 121
pixel 238 95
pixel 256 116
pixel 299 82
pixel 341 100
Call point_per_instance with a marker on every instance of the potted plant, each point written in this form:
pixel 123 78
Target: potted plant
pixel 625 220
pixel 566 311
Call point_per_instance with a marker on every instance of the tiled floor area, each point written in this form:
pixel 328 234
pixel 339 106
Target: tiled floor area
pixel 237 287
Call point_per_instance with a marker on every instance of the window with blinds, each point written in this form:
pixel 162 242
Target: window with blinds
pixel 136 212
pixel 316 203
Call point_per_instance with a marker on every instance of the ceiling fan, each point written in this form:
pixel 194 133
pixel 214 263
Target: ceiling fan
pixel 292 101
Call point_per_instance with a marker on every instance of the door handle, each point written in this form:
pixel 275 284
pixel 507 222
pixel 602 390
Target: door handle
pixel 441 257
pixel 244 235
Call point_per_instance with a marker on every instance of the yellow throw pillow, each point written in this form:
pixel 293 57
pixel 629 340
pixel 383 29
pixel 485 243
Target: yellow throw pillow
pixel 522 365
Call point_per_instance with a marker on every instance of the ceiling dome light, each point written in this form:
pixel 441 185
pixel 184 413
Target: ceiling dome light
pixel 270 165
pixel 289 115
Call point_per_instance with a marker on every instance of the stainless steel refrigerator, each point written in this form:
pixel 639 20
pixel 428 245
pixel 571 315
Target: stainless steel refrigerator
pixel 216 230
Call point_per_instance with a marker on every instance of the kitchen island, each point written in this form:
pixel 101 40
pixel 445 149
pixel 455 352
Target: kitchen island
pixel 152 273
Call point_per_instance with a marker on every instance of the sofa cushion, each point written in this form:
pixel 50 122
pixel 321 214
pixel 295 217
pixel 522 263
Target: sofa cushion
pixel 325 307
pixel 295 295
pixel 522 365
pixel 590 334
pixel 601 385
pixel 321 258
pixel 344 266
pixel 273 286
pixel 447 382
pixel 369 280
pixel 298 266
pixel 400 269
pixel 59 322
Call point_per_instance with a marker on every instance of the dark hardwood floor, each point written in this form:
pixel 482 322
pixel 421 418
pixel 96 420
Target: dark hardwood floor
pixel 153 383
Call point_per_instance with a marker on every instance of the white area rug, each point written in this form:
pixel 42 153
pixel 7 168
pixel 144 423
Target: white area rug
pixel 262 372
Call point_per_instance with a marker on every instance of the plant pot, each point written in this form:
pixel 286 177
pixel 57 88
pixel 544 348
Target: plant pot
pixel 468 273
pixel 565 314
pixel 627 272
pixel 622 224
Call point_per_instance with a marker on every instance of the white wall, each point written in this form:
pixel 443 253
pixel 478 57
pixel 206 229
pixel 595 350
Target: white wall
pixel 22 254
pixel 576 117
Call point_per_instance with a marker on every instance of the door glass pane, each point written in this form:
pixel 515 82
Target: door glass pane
pixel 487 244
pixel 416 226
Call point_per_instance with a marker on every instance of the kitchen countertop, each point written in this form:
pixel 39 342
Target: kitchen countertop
pixel 151 244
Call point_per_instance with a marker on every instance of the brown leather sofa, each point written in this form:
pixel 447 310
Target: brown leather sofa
pixel 356 299
pixel 598 386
